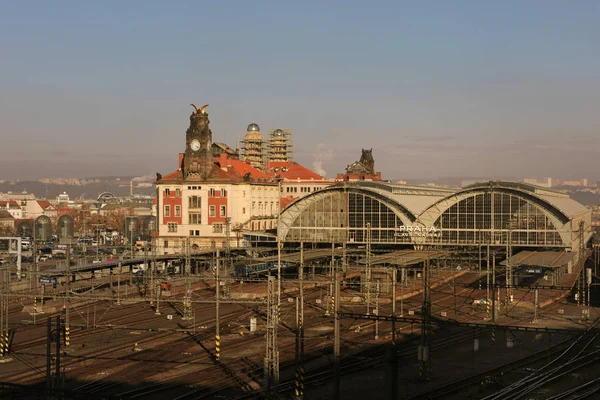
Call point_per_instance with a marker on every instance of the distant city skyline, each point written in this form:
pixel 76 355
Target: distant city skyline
pixel 438 90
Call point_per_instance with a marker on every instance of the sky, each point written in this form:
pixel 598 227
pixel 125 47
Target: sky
pixel 436 88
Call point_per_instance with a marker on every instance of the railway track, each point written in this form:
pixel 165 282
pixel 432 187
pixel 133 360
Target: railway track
pixel 538 377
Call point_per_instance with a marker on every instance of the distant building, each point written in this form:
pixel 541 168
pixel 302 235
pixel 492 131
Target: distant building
pixel 62 198
pixel 7 222
pixel 545 182
pixel 35 208
pixel 579 182
pixel 12 207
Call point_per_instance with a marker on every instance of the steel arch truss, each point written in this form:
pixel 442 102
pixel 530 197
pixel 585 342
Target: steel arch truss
pixel 560 221
pixel 294 211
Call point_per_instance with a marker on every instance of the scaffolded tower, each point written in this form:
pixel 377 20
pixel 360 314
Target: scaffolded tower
pixel 253 147
pixel 280 146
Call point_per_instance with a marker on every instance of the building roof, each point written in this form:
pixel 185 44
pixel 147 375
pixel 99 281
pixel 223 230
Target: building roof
pixel 6 215
pixel 291 171
pixel 558 200
pixel 240 168
pixel 10 204
pixel 549 259
pixel 415 199
pixel 45 204
pixel 217 175
pixel 224 147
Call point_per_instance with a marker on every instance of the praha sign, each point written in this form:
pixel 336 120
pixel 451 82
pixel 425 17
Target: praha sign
pixel 418 231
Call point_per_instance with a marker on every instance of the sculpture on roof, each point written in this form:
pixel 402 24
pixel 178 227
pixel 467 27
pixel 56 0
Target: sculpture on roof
pixel 366 164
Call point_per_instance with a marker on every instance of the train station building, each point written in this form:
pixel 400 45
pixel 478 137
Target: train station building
pixel 494 213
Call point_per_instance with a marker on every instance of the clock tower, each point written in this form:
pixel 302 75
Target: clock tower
pixel 198 157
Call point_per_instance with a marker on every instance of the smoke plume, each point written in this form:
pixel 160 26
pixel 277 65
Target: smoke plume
pixel 145 178
pixel 321 155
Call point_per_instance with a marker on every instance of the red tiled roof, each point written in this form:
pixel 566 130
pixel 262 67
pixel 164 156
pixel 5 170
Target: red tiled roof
pixel 216 175
pixel 240 168
pixel 9 204
pixel 291 171
pixel 45 204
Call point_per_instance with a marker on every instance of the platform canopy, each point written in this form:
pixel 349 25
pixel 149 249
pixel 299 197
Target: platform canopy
pixel 309 255
pixel 548 259
pixel 404 258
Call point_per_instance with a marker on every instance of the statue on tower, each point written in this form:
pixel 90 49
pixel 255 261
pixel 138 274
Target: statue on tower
pixel 198 158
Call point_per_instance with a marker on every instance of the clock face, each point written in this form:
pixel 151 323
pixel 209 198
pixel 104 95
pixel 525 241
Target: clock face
pixel 195 145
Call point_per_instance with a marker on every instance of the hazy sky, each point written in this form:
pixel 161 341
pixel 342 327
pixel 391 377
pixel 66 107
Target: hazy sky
pixel 437 89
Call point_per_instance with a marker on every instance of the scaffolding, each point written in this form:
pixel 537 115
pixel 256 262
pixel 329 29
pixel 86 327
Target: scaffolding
pixel 280 147
pixel 254 150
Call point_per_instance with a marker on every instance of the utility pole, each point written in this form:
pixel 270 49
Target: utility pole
pixel 336 340
pixel 377 309
pixel 49 354
pixel 487 273
pixel 509 269
pixel 187 300
pixel 218 322
pixel 271 365
pixel 535 305
pixel 424 347
pixel 57 374
pixel 581 264
pixel 278 248
pixel 368 270
pixel 589 287
pixel 227 268
pixel 394 277
pixel 4 299
pixel 479 263
pixel 299 382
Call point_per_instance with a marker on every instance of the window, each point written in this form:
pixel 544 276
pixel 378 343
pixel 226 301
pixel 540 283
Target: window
pixel 177 192
pixel 194 232
pixel 222 211
pixel 212 211
pixel 217 228
pixel 166 244
pixel 172 226
pixel 178 211
pixel 167 192
pixel 243 210
pixel 223 193
pixel 194 202
pixel 211 192
pixel 244 193
pixel 167 211
pixel 194 218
